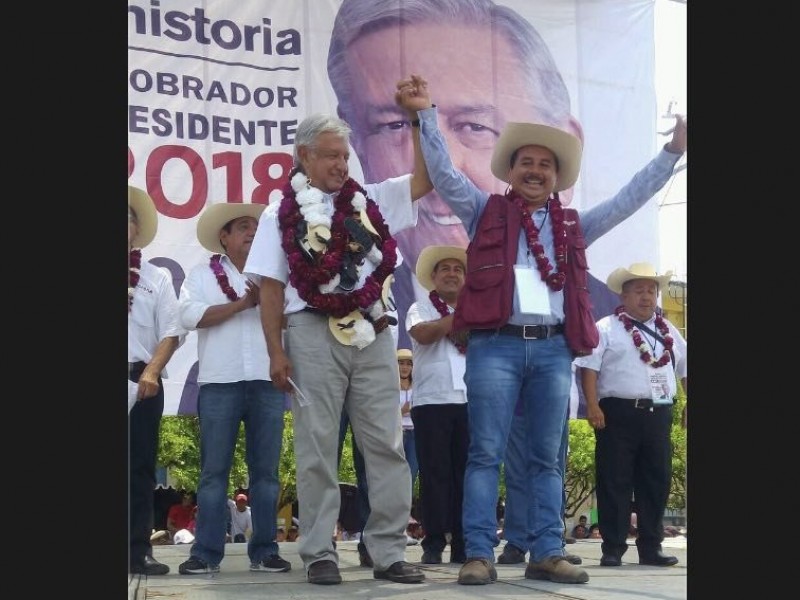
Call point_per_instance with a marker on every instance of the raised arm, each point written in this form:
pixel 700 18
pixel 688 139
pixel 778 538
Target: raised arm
pixel 412 95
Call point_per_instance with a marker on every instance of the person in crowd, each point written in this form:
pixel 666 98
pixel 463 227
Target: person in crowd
pixel 241 518
pixel 581 530
pixel 220 303
pixel 323 258
pixel 180 514
pixel 639 353
pixel 405 367
pixel 516 316
pixel 154 334
pixel 440 401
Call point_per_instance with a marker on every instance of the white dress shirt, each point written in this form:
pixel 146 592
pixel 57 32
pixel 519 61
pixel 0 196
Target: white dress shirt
pixel 153 315
pixel 234 350
pixel 622 373
pixel 438 367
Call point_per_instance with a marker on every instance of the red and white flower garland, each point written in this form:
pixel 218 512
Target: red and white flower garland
pixel 134 266
pixel 222 278
pixel 639 343
pixel 459 340
pixel 555 281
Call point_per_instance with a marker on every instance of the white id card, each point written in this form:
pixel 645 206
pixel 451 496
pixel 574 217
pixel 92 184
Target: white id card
pixel 659 386
pixel 532 293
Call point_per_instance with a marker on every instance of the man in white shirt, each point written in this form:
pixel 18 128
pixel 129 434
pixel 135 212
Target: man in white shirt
pixel 153 336
pixel 219 302
pixel 441 423
pixel 241 519
pixel 640 354
pixel 325 255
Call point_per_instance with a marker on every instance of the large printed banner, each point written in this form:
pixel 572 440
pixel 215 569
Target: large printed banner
pixel 216 89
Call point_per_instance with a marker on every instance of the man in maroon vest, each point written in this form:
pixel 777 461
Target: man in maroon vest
pixel 513 304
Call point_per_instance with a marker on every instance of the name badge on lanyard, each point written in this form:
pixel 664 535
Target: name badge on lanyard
pixel 533 294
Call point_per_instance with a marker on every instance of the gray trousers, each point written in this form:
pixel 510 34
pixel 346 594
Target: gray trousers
pixel 365 382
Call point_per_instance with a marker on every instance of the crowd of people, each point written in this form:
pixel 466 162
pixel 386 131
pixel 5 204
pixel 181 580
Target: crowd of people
pixel 296 299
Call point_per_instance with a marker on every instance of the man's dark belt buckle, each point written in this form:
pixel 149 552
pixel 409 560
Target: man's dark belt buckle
pixel 643 403
pixel 534 332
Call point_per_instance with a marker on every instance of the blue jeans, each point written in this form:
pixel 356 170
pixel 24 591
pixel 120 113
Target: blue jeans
pixel 221 408
pixel 411 456
pixel 515 524
pixel 501 370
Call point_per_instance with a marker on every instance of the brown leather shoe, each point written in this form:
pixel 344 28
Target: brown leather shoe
pixel 557 569
pixel 401 572
pixel 477 571
pixel 324 572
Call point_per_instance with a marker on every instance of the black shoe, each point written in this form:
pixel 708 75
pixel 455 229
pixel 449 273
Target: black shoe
pixel 658 559
pixel 324 572
pixel 364 559
pixel 573 559
pixel 196 566
pixel 610 560
pixel 431 557
pixel 511 555
pixel 401 572
pixel 271 564
pixel 149 566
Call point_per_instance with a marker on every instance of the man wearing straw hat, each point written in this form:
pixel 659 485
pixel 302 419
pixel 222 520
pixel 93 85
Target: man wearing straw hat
pixel 513 303
pixel 440 400
pixel 219 302
pixel 630 381
pixel 153 336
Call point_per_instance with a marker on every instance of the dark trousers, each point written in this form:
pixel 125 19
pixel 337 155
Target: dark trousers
pixel 144 422
pixel 441 435
pixel 633 458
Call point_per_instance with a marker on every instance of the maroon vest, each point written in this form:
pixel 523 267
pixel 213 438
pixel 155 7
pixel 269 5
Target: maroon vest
pixel 486 300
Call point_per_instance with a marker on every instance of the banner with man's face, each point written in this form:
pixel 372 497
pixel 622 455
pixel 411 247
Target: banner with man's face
pixel 216 90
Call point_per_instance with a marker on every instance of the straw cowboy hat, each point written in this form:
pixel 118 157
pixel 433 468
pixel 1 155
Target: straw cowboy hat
pixel 216 216
pixel 431 256
pixel 565 146
pixel 146 215
pixel 641 270
pixel 405 354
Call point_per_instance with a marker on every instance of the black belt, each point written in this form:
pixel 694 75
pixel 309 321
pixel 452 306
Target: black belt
pixel 531 332
pixel 637 402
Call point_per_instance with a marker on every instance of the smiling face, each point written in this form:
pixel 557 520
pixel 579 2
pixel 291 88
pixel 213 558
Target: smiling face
pixel 533 174
pixel 448 278
pixel 325 163
pixel 477 82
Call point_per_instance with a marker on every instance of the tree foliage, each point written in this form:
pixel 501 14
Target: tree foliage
pixel 179 451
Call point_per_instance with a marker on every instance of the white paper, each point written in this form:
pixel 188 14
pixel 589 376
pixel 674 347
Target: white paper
pixel 659 387
pixel 532 292
pixel 301 397
pixel 458 366
pixel 133 390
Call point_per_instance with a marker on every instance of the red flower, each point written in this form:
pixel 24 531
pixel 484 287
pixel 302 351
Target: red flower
pixel 134 264
pixel 638 342
pixel 222 278
pixel 306 276
pixel 555 281
pixel 458 340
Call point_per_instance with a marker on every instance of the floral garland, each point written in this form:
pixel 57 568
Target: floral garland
pixel 307 277
pixel 555 281
pixel 222 278
pixel 638 342
pixel 134 265
pixel 459 341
